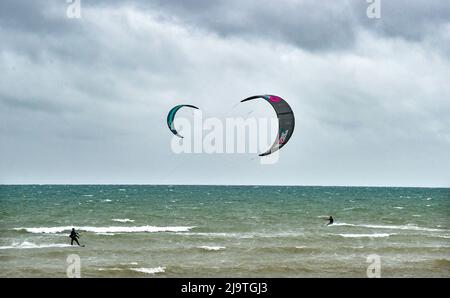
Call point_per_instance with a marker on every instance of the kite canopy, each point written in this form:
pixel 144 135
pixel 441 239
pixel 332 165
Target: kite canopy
pixel 171 117
pixel 286 120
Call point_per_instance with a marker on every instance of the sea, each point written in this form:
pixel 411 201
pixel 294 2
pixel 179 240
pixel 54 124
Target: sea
pixel 224 231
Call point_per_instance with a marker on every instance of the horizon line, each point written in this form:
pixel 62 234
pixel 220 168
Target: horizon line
pixel 171 184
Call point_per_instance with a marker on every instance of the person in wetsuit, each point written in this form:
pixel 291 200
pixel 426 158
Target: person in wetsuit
pixel 331 220
pixel 74 236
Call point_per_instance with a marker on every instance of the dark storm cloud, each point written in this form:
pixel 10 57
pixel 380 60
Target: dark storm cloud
pixel 308 24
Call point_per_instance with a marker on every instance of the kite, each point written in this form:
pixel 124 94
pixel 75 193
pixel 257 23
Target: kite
pixel 171 117
pixel 286 120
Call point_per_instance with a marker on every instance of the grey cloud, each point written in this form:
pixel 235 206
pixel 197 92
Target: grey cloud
pixel 87 103
pixel 307 24
pixel 32 104
pixel 40 17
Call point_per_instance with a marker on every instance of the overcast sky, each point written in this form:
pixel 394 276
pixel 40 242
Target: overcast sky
pixel 84 100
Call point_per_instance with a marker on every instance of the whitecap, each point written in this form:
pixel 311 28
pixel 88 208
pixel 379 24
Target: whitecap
pixel 111 229
pixel 214 248
pixel 391 227
pixel 376 235
pixel 150 270
pixel 443 236
pixel 110 269
pixel 29 245
pixel 122 220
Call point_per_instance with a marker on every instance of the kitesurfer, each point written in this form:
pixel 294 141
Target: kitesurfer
pixel 331 220
pixel 74 236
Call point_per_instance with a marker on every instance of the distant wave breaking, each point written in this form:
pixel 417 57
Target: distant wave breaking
pixel 29 245
pixel 391 227
pixel 122 220
pixel 213 248
pixel 376 235
pixel 150 270
pixel 112 229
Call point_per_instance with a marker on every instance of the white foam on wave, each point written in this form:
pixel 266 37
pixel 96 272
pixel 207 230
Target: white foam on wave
pixel 88 195
pixel 399 207
pixel 150 270
pixel 245 235
pixel 376 235
pixel 112 229
pixel 220 234
pixel 213 248
pixel 107 200
pixel 122 220
pixel 443 236
pixel 110 269
pixel 390 227
pixel 29 245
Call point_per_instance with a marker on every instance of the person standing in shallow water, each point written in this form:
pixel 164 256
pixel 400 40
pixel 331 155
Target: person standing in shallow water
pixel 74 236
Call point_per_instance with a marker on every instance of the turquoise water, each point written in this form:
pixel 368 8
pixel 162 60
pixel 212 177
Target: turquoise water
pixel 224 231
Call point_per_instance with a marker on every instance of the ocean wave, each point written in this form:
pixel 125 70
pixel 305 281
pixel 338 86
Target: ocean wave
pixel 348 209
pixel 399 207
pixel 283 249
pixel 221 235
pixel 214 248
pixel 122 220
pixel 110 269
pixel 112 229
pixel 376 235
pixel 29 245
pixel 391 227
pixel 246 235
pixel 150 270
pixel 107 200
pixel 443 236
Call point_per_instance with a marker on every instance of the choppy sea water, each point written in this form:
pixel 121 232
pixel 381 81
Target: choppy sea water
pixel 224 231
